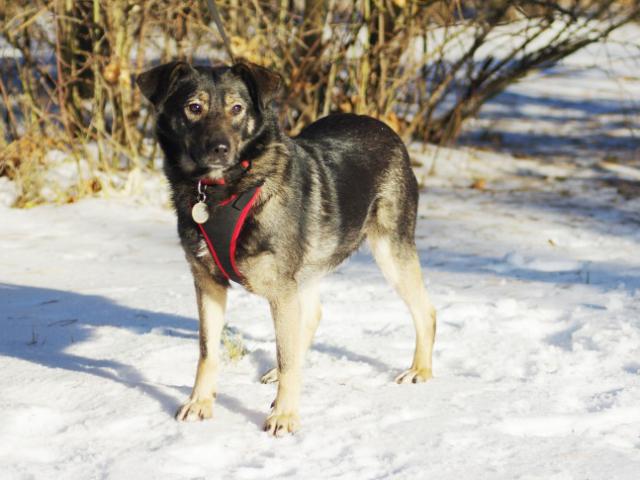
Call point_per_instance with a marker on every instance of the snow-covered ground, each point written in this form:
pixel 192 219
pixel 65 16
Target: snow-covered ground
pixel 537 358
pixel 535 275
pixel 584 109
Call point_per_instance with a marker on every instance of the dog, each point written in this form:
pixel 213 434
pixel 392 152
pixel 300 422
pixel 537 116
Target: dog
pixel 317 196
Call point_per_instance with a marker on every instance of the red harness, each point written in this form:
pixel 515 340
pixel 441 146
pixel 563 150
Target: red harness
pixel 222 229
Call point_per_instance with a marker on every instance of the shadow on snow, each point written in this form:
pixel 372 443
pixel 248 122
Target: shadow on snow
pixel 597 132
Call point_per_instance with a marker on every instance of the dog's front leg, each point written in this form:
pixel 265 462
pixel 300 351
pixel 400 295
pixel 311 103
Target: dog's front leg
pixel 286 318
pixel 212 299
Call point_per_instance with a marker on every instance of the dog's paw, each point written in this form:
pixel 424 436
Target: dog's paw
pixel 195 410
pixel 270 377
pixel 414 375
pixel 280 424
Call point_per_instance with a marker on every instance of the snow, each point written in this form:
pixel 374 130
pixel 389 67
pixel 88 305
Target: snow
pixel 584 109
pixel 535 276
pixel 536 358
pixel 8 192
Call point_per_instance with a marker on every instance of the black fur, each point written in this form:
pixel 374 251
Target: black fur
pixel 344 178
pixel 345 158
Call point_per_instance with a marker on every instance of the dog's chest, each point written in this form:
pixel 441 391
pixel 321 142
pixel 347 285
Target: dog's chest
pixel 236 263
pixel 201 251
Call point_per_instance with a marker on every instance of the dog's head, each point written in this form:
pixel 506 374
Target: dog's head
pixel 207 116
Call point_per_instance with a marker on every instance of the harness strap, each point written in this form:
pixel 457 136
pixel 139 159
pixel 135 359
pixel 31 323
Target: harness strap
pixel 222 229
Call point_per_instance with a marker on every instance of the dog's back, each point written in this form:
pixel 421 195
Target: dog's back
pixel 360 168
pixel 354 144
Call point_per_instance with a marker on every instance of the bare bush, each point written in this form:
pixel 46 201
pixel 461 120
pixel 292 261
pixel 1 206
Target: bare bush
pixel 67 66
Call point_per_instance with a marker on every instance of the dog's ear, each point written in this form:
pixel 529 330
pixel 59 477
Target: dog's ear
pixel 264 85
pixel 156 84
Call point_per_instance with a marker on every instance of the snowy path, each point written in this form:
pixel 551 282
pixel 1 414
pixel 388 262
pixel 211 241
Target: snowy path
pixel 537 357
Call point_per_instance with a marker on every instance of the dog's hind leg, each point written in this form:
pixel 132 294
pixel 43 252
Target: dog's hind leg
pixel 311 313
pixel 400 265
pixel 212 299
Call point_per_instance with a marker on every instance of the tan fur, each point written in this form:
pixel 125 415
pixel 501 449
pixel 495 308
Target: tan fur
pixel 286 312
pixel 211 299
pixel 203 250
pixel 261 274
pixel 310 316
pixel 202 99
pixel 401 268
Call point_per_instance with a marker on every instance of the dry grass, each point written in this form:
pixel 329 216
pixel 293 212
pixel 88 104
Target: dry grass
pixel 233 345
pixel 422 67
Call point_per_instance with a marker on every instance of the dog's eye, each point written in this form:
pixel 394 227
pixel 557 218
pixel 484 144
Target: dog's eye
pixel 236 109
pixel 195 108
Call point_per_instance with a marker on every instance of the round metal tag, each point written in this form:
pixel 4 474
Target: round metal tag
pixel 200 212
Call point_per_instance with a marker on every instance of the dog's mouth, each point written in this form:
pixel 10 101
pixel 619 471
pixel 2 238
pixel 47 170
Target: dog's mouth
pixel 219 175
pixel 208 175
pixel 212 175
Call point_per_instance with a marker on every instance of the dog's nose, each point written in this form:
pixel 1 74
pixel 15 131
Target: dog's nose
pixel 221 148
